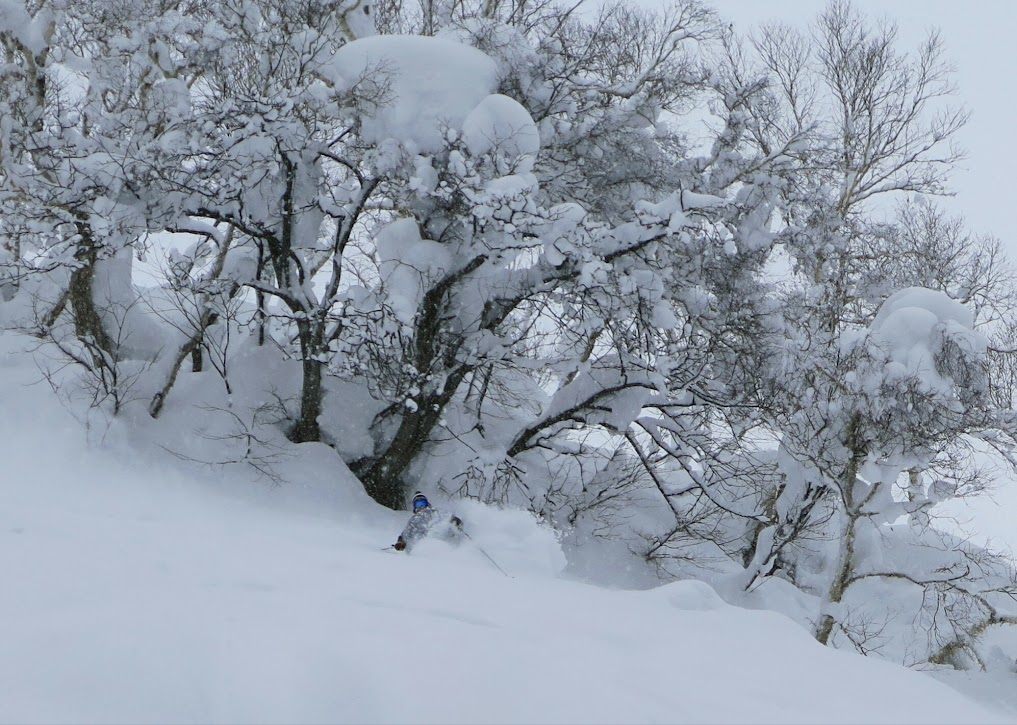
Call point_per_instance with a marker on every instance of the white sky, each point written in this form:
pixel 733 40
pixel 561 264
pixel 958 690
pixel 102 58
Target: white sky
pixel 980 39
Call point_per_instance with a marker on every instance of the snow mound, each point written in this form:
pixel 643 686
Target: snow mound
pixel 501 123
pixel 937 303
pixel 432 84
pixel 563 233
pixel 912 327
pixel 691 595
pixel 409 266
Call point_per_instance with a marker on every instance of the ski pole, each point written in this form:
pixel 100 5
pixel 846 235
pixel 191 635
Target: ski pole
pixel 481 550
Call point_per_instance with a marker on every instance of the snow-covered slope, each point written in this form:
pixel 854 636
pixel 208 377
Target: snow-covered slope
pixel 138 589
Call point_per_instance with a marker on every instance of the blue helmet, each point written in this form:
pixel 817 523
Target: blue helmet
pixel 420 501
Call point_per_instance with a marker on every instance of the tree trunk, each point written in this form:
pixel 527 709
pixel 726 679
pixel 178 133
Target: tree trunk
pixel 87 321
pixel 382 475
pixel 159 399
pixel 307 429
pixel 845 564
pixel 385 486
pixel 839 585
pixel 9 288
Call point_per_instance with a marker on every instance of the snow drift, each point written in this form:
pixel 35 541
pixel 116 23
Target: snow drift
pixel 141 589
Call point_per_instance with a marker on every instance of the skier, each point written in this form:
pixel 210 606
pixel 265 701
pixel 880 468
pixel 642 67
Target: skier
pixel 427 521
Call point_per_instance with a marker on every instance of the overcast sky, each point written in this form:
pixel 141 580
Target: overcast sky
pixel 981 40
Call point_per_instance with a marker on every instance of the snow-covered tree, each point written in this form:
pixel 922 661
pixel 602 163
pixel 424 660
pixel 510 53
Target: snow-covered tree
pixel 495 251
pixel 260 157
pixel 879 391
pixel 568 314
pixel 92 90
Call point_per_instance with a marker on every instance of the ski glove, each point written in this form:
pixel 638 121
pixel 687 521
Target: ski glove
pixel 457 522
